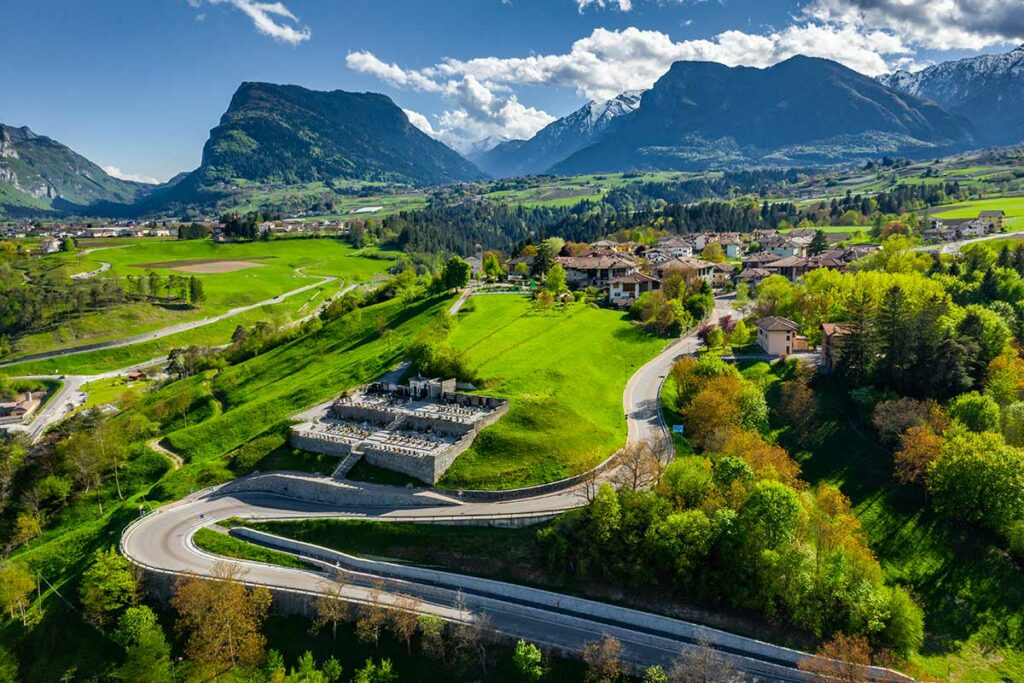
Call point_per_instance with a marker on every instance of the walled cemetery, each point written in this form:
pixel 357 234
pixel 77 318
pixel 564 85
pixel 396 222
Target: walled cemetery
pixel 416 429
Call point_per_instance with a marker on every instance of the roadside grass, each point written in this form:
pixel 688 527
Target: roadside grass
pixel 217 543
pixel 563 371
pixel 971 590
pixel 475 550
pixel 364 471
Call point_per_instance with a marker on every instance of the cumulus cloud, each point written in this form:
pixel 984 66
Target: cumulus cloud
pixel 936 24
pixel 481 91
pixel 115 172
pixel 481 112
pixel 271 19
pixel 479 108
pixel 420 121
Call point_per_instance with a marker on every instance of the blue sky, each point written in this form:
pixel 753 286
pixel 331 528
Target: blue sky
pixel 137 84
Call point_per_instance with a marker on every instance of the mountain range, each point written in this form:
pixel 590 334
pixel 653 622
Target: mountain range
pixel 987 91
pixel 289 134
pixel 39 175
pixel 799 112
pixel 557 140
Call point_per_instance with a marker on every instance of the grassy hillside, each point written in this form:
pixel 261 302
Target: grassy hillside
pixel 254 395
pixel 564 373
pixel 971 590
pixel 279 266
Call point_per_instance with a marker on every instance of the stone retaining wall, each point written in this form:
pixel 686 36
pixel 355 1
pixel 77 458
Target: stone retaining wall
pixel 427 467
pixel 323 490
pixel 318 442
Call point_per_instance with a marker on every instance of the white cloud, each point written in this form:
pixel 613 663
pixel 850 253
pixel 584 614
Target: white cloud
pixel 271 19
pixel 481 91
pixel 480 108
pixel 622 5
pixel 480 113
pixel 420 121
pixel 121 175
pixel 935 24
pixel 367 63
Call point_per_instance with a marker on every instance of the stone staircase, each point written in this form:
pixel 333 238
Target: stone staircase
pixel 345 466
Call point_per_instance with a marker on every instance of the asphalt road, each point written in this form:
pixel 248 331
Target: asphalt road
pixel 955 247
pixel 164 541
pixel 641 399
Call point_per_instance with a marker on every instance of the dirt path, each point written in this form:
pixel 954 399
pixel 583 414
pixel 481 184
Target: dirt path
pixel 173 457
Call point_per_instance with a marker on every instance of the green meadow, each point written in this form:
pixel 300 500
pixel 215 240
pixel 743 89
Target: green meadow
pixel 1013 206
pixel 279 266
pixel 564 372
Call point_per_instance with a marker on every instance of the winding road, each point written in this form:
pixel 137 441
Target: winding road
pixel 162 543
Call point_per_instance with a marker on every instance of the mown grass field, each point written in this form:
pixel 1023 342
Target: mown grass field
pixel 971 590
pixel 277 273
pixel 564 373
pixel 1013 206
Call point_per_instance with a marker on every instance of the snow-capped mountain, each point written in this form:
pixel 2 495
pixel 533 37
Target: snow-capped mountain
pixel 557 140
pixel 987 91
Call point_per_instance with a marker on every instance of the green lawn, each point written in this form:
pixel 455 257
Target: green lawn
pixel 971 590
pixel 254 396
pixel 215 334
pixel 104 391
pixel 564 373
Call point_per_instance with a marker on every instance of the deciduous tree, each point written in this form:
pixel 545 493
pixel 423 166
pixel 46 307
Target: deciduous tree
pixel 108 585
pixel 220 617
pixel 16 587
pixel 919 448
pixel 528 661
pixel 330 605
pixel 604 661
